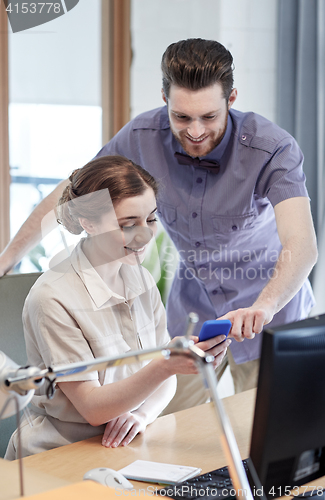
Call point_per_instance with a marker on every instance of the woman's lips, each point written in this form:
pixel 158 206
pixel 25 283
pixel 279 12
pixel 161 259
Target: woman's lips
pixel 137 251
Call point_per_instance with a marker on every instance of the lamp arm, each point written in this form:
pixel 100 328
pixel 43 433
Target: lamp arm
pixel 24 379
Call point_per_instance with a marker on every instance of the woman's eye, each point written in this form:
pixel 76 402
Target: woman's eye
pixel 129 228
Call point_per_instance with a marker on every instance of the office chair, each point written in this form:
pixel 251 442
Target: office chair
pixel 14 289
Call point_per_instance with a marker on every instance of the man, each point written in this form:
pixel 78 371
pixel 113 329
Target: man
pixel 232 198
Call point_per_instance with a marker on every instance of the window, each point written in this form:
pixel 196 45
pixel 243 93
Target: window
pixel 55 113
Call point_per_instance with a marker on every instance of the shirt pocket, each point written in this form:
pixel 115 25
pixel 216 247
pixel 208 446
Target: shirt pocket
pixel 111 345
pixel 147 335
pixel 168 217
pixel 233 229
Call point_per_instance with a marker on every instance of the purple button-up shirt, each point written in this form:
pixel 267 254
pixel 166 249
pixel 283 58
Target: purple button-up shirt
pixel 222 224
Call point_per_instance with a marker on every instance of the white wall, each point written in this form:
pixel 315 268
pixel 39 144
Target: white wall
pixel 246 27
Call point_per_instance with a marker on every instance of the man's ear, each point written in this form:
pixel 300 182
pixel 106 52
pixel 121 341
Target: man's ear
pixel 87 225
pixel 163 96
pixel 232 98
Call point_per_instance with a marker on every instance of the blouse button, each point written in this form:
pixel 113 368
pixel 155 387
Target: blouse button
pixel 194 215
pixel 197 244
pixel 234 228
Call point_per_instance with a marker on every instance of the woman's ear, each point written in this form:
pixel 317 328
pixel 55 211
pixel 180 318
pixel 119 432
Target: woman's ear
pixel 87 225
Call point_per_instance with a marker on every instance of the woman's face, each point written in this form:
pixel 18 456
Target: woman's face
pixel 124 233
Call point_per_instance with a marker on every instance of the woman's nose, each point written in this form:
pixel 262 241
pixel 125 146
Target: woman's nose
pixel 143 235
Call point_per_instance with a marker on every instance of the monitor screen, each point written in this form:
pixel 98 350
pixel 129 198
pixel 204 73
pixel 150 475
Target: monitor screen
pixel 288 436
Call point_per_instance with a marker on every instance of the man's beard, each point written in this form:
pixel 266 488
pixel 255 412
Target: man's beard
pixel 195 151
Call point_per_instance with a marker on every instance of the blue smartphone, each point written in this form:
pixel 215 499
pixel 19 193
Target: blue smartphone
pixel 213 328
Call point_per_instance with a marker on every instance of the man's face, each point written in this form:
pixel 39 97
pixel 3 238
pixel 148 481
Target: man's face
pixel 198 118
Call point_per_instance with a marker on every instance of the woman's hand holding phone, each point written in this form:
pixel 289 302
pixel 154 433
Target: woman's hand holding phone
pixel 214 328
pixel 213 338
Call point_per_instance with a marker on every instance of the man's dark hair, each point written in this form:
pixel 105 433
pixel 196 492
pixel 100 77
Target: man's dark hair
pixel 195 64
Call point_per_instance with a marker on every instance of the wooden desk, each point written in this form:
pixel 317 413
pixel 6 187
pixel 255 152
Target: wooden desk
pixel 34 481
pixel 188 437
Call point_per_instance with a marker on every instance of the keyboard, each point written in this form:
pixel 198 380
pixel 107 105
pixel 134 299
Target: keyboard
pixel 211 485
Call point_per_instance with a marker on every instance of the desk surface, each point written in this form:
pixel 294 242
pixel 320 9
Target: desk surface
pixel 188 437
pixel 34 482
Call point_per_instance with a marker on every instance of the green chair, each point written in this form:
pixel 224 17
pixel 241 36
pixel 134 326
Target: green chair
pixel 14 289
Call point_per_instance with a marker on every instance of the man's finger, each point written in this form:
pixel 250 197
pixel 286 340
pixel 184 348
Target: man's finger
pixel 237 325
pixel 259 321
pixel 248 323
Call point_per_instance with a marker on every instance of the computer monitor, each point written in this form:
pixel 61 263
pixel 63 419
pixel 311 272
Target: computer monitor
pixel 288 436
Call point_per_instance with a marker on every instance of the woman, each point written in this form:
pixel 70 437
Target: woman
pixel 101 302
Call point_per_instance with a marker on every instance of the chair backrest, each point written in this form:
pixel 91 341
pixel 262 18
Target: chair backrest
pixel 14 289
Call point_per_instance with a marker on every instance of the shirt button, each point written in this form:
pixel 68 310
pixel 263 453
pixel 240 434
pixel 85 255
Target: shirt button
pixel 199 180
pixel 244 137
pixel 214 292
pixel 197 244
pixel 234 228
pixel 194 214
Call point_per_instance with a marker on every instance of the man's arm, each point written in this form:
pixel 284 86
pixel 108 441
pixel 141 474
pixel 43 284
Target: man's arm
pixel 296 260
pixel 30 232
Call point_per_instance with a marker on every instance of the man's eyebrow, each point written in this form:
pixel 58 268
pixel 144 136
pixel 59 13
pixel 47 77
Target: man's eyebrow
pixel 131 217
pixel 213 112
pixel 175 112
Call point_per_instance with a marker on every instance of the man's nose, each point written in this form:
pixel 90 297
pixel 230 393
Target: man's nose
pixel 195 129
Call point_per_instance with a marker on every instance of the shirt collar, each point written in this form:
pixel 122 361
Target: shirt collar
pixel 97 288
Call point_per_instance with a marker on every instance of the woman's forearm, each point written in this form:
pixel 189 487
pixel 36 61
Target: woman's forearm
pixel 99 404
pixel 154 404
